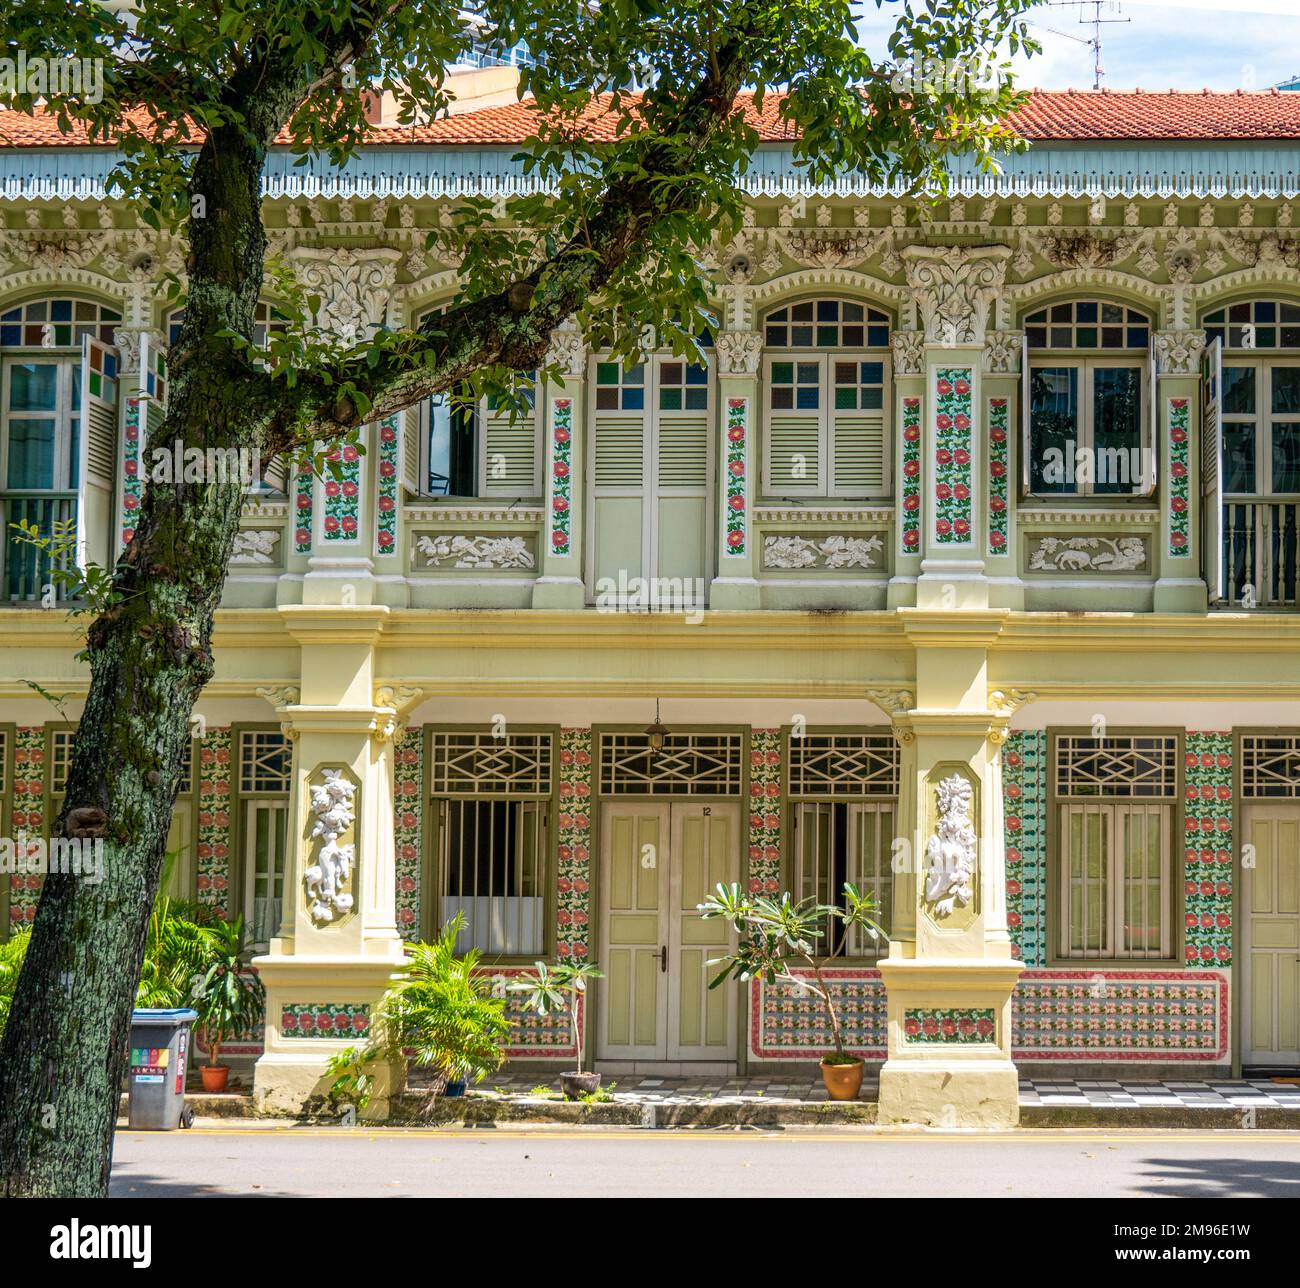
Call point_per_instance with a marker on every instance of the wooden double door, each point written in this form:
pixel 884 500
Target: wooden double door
pixel 1270 966
pixel 660 860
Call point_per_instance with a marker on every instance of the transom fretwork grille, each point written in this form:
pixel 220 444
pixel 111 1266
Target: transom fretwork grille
pixel 1270 765
pixel 265 762
pixel 477 764
pixel 703 763
pixel 1137 766
pixel 843 765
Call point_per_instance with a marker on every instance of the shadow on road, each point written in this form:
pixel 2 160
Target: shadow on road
pixel 1214 1178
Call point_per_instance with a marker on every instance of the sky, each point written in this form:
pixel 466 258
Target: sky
pixel 1194 44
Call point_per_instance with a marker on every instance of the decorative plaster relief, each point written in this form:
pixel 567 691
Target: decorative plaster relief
pixel 837 551
pixel 334 806
pixel 950 852
pixel 1088 554
pixel 466 550
pixel 255 546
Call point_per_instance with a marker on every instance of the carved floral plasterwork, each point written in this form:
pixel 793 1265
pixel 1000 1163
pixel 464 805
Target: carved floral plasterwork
pixel 953 287
pixel 1002 350
pixel 950 852
pixel 837 551
pixel 909 352
pixel 354 287
pixel 466 550
pixel 1178 353
pixel 739 352
pixel 255 546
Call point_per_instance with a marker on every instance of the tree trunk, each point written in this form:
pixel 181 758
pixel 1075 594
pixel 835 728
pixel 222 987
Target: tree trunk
pixel 64 1052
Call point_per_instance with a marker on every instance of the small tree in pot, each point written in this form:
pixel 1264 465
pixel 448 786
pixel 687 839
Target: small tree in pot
pixel 774 935
pixel 557 988
pixel 229 1000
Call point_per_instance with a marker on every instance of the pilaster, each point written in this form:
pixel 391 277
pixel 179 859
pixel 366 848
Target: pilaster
pixel 1180 585
pixel 735 585
pixel 953 288
pixel 560 582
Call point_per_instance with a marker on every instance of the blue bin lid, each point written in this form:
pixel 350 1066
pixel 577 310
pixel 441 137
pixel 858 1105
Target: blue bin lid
pixel 162 1015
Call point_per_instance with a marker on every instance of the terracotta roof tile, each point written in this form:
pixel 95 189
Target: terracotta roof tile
pixel 1048 115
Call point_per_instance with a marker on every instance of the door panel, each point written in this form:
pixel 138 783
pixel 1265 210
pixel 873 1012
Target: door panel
pixel 1271 937
pixel 633 1019
pixel 701 1023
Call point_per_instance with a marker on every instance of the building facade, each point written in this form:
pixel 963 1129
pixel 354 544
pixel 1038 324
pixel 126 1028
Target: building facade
pixel 964 569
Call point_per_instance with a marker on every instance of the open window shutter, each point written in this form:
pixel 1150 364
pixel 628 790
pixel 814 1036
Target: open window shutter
pixel 1212 469
pixel 412 419
pixel 1026 414
pixel 1153 455
pixel 858 464
pixel 793 455
pixel 509 462
pixel 97 438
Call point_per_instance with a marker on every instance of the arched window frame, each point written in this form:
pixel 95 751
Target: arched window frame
pixel 1095 359
pixel 826 398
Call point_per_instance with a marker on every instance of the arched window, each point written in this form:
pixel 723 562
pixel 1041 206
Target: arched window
pixel 266 319
pixel 825 395
pixel 1088 381
pixel 1260 399
pixel 463 448
pixel 59 401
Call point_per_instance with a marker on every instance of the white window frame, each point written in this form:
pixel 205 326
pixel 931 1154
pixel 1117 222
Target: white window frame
pixel 1110 813
pixel 274 870
pixel 1086 364
pixel 1263 419
pixel 821 484
pixel 65 415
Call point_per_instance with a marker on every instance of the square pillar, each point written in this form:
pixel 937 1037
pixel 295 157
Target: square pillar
pixel 950 971
pixel 338 946
pixel 1180 586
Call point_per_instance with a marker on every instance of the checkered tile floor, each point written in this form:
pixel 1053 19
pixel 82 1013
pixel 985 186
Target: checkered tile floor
pixel 1258 1092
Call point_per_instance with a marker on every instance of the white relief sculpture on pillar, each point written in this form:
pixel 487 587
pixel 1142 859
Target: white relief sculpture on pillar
pixel 739 352
pixel 953 287
pixel 950 852
pixel 332 802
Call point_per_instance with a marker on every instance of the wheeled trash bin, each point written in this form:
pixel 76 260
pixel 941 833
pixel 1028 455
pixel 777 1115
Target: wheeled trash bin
pixel 160 1049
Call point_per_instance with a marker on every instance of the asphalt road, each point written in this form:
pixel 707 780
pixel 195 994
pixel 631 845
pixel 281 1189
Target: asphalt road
pixel 337 1162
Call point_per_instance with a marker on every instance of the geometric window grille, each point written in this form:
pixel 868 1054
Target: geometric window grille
pixel 477 764
pixel 1087 324
pixel 1133 767
pixel 186 783
pixel 264 762
pixel 1270 767
pixel 62 321
pixel 1255 324
pixel 826 324
pixel 708 764
pixel 60 759
pixel 826 765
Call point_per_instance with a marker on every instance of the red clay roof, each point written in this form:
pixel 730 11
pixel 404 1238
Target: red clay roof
pixel 1047 116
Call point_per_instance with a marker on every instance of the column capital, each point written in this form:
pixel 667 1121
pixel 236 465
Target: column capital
pixel 909 353
pixel 568 352
pixel 1178 353
pixel 953 286
pixel 1002 353
pixel 739 352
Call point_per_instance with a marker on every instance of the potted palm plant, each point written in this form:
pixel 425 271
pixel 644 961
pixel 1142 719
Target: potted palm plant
pixel 440 1014
pixel 560 988
pixel 777 935
pixel 228 1000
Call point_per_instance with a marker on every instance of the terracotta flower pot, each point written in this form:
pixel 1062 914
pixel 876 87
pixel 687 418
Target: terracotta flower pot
pixel 843 1081
pixel 214 1077
pixel 578 1084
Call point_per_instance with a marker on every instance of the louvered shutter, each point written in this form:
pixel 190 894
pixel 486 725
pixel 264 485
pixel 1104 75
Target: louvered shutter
pixel 681 436
pixel 1026 415
pixel 412 419
pixel 794 398
pixel 97 444
pixel 620 469
pixel 858 455
pixel 1153 456
pixel 509 461
pixel 1212 556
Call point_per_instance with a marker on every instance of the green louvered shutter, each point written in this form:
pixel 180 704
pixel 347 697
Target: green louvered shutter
pixel 858 443
pixel 794 449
